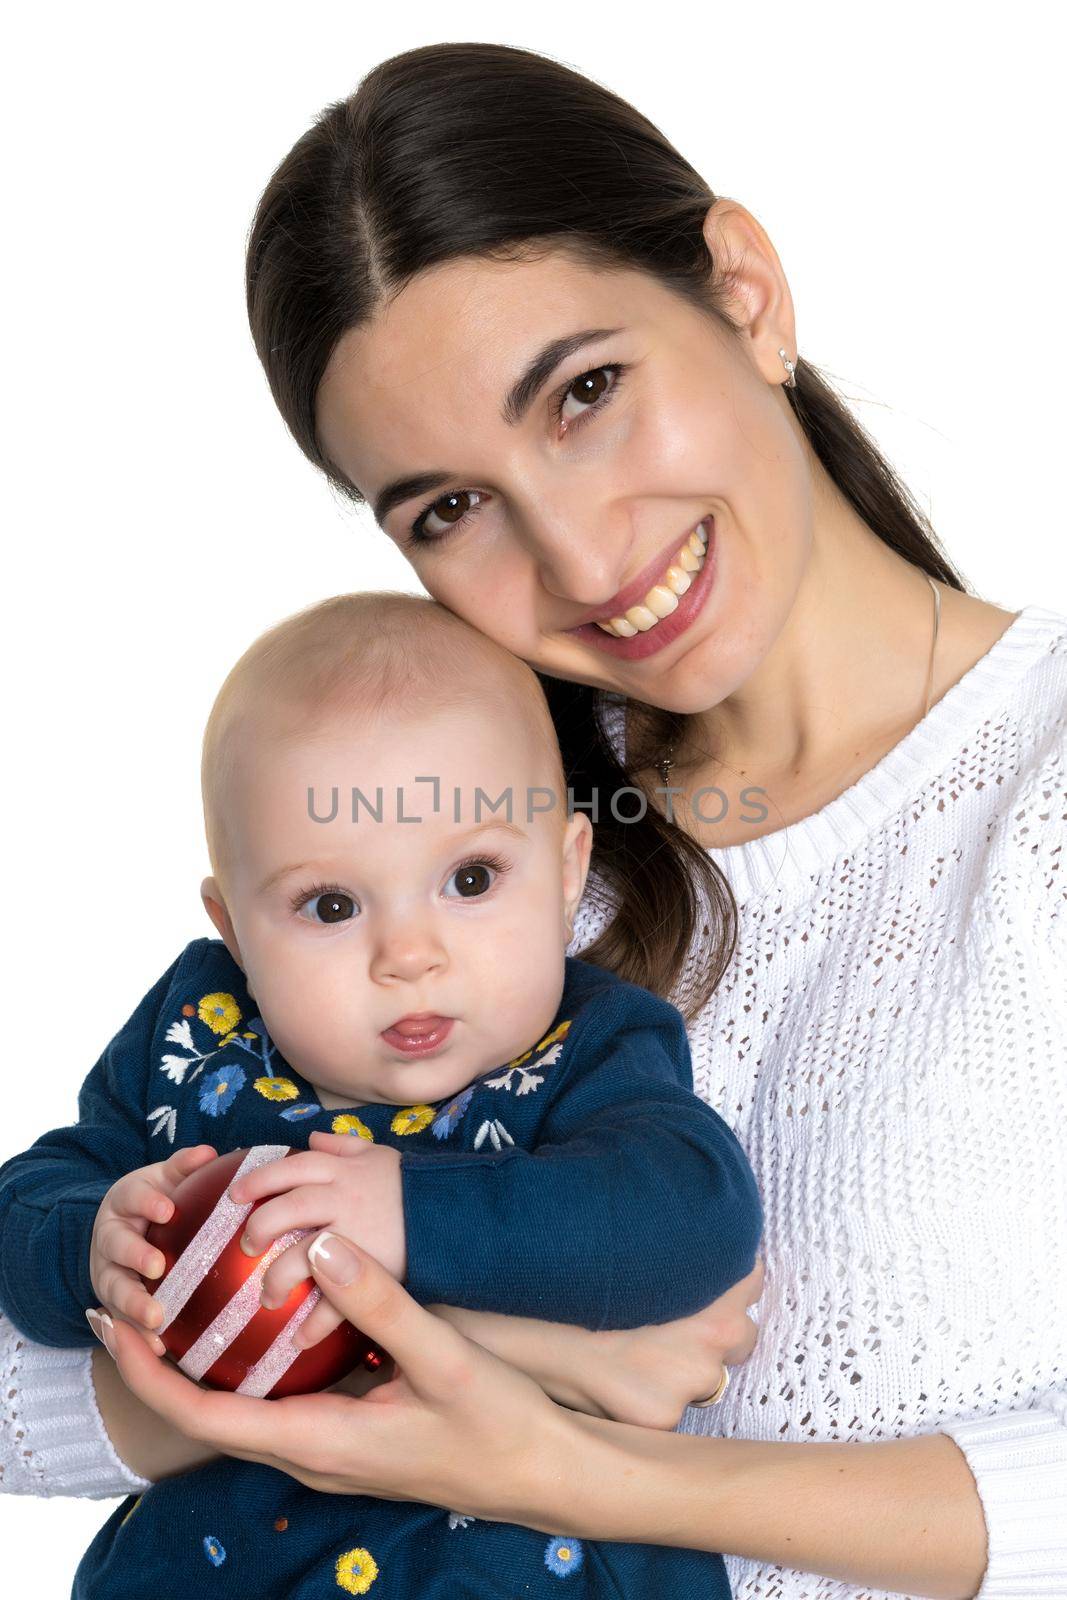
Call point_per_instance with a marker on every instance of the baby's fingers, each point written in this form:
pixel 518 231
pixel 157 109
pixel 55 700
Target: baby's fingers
pixel 121 1244
pixel 317 1324
pixel 126 1254
pixel 167 1175
pixel 182 1162
pixel 137 1196
pixel 154 1342
pixel 124 1292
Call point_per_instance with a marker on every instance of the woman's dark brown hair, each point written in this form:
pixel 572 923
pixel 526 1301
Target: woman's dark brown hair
pixel 484 150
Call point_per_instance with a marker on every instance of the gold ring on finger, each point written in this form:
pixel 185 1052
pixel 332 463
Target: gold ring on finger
pixel 713 1399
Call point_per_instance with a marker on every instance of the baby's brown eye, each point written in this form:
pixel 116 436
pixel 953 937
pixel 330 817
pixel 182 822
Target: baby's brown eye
pixel 329 908
pixel 472 880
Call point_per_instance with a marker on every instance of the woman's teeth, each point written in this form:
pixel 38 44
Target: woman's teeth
pixel 662 599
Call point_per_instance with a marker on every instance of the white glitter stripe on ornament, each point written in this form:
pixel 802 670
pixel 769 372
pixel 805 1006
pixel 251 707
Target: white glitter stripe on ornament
pixel 236 1314
pixel 211 1239
pixel 279 1356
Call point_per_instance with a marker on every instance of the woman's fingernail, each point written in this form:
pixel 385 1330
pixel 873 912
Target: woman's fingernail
pixel 93 1319
pixel 332 1257
pixel 107 1333
pixel 247 1246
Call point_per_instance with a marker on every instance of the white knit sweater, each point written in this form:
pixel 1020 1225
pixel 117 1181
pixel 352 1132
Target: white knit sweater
pixel 889 1043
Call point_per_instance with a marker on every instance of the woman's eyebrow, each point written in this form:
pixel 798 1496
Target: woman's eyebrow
pixel 517 402
pixel 538 371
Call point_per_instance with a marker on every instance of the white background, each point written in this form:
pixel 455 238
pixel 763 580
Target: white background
pixel 906 162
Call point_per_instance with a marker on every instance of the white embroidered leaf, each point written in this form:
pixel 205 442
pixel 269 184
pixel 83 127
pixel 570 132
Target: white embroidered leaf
pixel 166 1119
pixel 181 1033
pixel 527 1080
pixel 494 1131
pixel 175 1067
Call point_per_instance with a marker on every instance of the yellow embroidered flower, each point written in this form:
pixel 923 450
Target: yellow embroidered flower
pixel 356 1571
pixel 557 1033
pixel 277 1088
pixel 220 1011
pixel 413 1119
pixel 347 1123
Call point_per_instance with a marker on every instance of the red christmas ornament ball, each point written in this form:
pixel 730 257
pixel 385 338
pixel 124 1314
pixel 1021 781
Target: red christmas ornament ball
pixel 214 1327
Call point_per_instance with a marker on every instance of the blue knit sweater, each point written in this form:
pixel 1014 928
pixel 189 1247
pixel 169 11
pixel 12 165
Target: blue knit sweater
pixel 583 1182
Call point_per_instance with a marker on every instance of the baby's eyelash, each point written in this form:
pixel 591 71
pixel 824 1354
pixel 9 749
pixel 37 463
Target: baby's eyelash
pixel 496 863
pixel 302 896
pixel 416 535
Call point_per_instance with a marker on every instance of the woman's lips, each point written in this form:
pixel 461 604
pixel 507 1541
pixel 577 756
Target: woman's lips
pixel 668 628
pixel 420 1034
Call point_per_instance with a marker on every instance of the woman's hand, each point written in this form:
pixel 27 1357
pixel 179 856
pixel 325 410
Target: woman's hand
pixel 647 1376
pixel 455 1427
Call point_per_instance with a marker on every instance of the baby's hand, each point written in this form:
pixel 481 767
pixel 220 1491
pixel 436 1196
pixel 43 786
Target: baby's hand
pixel 343 1182
pixel 119 1245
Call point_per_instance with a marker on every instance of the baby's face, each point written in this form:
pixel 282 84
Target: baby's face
pixel 345 928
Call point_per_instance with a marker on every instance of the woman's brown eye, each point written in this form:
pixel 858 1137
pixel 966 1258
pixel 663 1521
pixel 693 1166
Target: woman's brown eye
pixel 591 391
pixel 458 505
pixel 590 385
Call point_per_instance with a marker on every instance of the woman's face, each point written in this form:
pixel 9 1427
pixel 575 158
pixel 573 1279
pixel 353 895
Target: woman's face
pixel 553 503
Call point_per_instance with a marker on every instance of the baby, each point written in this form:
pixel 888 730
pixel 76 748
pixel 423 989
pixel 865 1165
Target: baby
pixel 506 1127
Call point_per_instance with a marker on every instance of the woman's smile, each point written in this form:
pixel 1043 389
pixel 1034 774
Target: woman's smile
pixel 668 607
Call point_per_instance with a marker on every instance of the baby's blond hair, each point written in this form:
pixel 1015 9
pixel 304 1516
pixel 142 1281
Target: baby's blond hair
pixel 362 654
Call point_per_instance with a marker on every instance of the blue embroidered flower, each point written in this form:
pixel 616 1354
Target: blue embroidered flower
pixel 447 1119
pixel 294 1113
pixel 219 1088
pixel 564 1556
pixel 213 1550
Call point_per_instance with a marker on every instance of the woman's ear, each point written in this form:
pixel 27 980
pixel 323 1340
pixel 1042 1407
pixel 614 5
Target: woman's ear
pixel 750 276
pixel 577 846
pixel 215 906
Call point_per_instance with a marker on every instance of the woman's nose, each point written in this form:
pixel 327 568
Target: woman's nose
pixel 580 558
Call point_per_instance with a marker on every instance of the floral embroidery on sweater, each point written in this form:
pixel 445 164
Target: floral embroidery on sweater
pixel 356 1571
pixel 213 1550
pixel 219 1015
pixel 564 1556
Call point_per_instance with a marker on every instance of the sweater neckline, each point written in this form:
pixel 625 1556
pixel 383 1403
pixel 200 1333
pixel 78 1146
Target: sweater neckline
pixel 789 856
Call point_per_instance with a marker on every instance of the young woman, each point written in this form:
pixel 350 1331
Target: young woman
pixel 495 304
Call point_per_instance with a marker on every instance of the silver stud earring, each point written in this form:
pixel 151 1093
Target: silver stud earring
pixel 790 367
